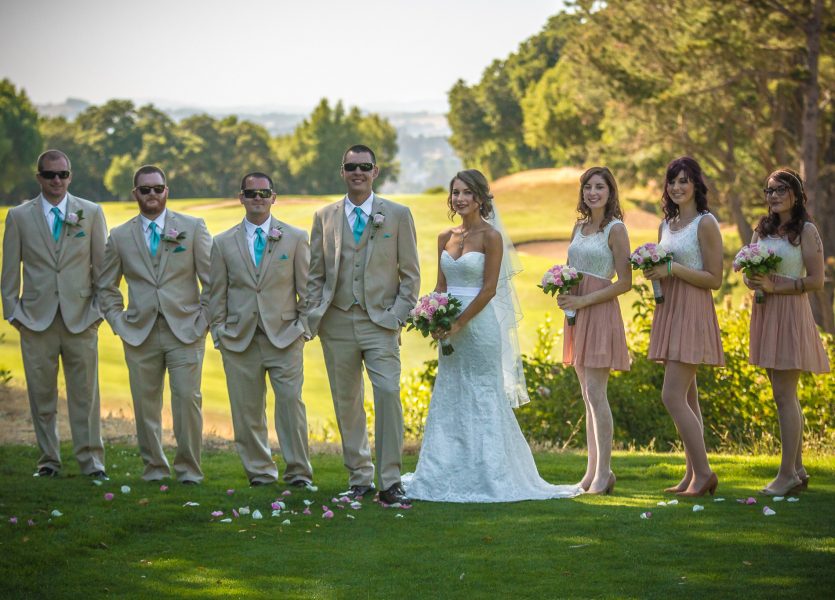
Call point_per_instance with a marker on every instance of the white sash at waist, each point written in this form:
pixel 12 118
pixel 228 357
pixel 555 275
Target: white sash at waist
pixel 462 291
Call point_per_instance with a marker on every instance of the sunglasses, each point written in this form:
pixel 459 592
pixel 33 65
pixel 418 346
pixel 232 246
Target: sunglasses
pixel 263 193
pixel 364 167
pixel 146 189
pixel 779 191
pixel 53 174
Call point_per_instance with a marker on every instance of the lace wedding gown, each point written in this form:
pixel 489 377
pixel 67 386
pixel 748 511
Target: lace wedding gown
pixel 473 449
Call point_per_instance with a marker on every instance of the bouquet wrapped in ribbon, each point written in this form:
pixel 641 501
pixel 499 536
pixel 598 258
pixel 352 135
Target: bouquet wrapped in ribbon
pixel 647 256
pixel 559 279
pixel 753 259
pixel 435 312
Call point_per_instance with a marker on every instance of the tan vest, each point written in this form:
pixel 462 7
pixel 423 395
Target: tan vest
pixel 350 281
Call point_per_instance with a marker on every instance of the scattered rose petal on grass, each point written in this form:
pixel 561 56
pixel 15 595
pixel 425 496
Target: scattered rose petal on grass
pixel 217 513
pixel 718 499
pixel 328 514
pixel 226 520
pixel 311 488
pixel 750 500
pixel 672 502
pixel 356 505
pixel 57 513
pixel 336 500
pixel 768 512
pixel 275 506
pixel 286 493
pixel 646 515
pixel 306 511
pixel 398 516
pixel 779 498
pixel 350 516
pixel 244 510
pixel 256 514
pixel 108 496
pixel 406 506
pixel 97 482
pixel 698 507
pixel 191 504
pixel 163 488
pixel 143 502
pixel 13 520
pixel 792 499
pixel 31 523
pixel 308 502
pixel 662 503
pixel 276 513
pixel 235 512
pixel 229 492
pixel 325 508
pixel 344 499
pixel 285 522
pixel 125 489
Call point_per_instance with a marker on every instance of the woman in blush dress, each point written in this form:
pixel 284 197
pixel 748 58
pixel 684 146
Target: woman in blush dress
pixel 784 337
pixel 473 449
pixel 596 343
pixel 685 331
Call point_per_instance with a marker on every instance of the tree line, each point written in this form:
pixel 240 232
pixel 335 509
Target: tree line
pixel 203 156
pixel 744 87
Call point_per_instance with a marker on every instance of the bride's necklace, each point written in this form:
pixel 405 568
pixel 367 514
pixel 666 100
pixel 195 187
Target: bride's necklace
pixel 464 234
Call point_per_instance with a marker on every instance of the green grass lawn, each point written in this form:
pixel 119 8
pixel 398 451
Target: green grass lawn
pixel 146 544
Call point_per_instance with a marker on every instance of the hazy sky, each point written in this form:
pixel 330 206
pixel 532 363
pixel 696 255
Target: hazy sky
pixel 259 54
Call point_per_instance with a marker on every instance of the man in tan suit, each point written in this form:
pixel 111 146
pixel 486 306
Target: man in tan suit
pixel 259 322
pixel 364 280
pixel 60 239
pixel 162 255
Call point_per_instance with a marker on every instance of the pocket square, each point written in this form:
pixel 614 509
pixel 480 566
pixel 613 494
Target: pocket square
pixel 284 257
pixel 386 235
pixel 80 234
pixel 180 249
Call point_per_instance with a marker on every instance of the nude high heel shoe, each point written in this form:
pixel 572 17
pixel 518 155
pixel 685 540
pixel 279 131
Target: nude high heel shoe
pixel 792 488
pixel 610 486
pixel 710 486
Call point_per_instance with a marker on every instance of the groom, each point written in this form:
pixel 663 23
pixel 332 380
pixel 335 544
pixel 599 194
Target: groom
pixel 364 279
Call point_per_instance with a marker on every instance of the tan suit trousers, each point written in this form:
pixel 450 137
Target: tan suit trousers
pixel 79 355
pixel 349 339
pixel 245 379
pixel 147 364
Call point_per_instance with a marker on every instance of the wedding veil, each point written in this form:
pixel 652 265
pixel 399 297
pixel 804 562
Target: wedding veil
pixel 509 313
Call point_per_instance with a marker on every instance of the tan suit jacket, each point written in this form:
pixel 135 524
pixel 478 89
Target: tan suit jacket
pixel 171 289
pixel 392 274
pixel 54 275
pixel 273 295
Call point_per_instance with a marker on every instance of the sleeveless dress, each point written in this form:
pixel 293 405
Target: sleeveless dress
pixel 597 338
pixel 473 449
pixel 783 331
pixel 684 326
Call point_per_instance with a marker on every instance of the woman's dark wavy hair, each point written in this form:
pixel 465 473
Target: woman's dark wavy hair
pixel 612 210
pixel 477 183
pixel 694 173
pixel 770 223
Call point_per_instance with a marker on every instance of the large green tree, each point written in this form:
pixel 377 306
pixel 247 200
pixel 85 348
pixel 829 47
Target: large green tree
pixel 20 140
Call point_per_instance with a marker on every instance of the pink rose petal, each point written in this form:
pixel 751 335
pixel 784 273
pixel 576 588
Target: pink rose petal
pixel 768 512
pixel 163 488
pixel 646 515
pixel 306 511
pixel 328 514
pixel 31 523
pixel 13 520
pixel 235 513
pixel 229 492
pixel 108 496
pixel 286 493
pixel 217 513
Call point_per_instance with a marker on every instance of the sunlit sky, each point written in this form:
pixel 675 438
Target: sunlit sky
pixel 259 55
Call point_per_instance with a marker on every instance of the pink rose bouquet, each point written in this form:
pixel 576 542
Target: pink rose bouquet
pixel 435 312
pixel 559 279
pixel 647 256
pixel 753 259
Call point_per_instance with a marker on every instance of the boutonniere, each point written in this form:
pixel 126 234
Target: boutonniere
pixel 74 219
pixel 172 236
pixel 378 219
pixel 275 234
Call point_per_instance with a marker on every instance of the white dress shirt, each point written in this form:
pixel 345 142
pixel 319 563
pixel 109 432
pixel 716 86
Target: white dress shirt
pixel 47 207
pixel 250 235
pixel 146 227
pixel 365 207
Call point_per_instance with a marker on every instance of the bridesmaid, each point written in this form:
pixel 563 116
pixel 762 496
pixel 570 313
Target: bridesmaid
pixel 596 343
pixel 784 337
pixel 685 332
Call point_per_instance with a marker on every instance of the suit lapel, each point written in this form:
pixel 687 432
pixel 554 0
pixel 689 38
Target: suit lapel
pixel 62 242
pixel 170 222
pixel 376 206
pixel 142 246
pixel 271 247
pixel 338 222
pixel 43 230
pixel 243 246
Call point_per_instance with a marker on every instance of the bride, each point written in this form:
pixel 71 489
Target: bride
pixel 473 449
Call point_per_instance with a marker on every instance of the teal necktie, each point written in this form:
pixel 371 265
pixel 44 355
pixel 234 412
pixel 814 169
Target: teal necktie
pixel 57 223
pixel 259 245
pixel 154 238
pixel 359 224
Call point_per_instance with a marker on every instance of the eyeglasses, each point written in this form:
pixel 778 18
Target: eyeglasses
pixel 364 167
pixel 146 189
pixel 262 193
pixel 53 174
pixel 779 191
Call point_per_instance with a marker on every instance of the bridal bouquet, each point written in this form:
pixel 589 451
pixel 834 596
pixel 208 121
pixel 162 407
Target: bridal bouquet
pixel 435 312
pixel 753 259
pixel 559 279
pixel 647 256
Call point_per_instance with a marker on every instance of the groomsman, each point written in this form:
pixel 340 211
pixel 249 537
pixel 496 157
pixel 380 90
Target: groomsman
pixel 59 238
pixel 364 279
pixel 162 255
pixel 259 322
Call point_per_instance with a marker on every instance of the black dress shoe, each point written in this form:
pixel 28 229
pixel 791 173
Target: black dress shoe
pixel 46 472
pixel 188 482
pixel 300 483
pixel 256 482
pixel 394 495
pixel 100 475
pixel 358 491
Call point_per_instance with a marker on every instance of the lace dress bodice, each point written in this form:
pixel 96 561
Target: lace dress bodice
pixel 792 263
pixel 473 449
pixel 591 253
pixel 684 243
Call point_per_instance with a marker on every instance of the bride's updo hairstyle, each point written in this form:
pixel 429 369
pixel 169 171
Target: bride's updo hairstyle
pixel 477 183
pixel 612 210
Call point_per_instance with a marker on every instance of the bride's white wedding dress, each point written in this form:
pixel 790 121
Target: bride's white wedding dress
pixel 473 449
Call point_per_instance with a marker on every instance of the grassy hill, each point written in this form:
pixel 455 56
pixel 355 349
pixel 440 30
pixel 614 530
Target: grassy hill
pixel 536 205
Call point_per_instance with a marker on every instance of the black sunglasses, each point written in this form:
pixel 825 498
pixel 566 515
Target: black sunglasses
pixel 365 167
pixel 146 189
pixel 54 174
pixel 262 193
